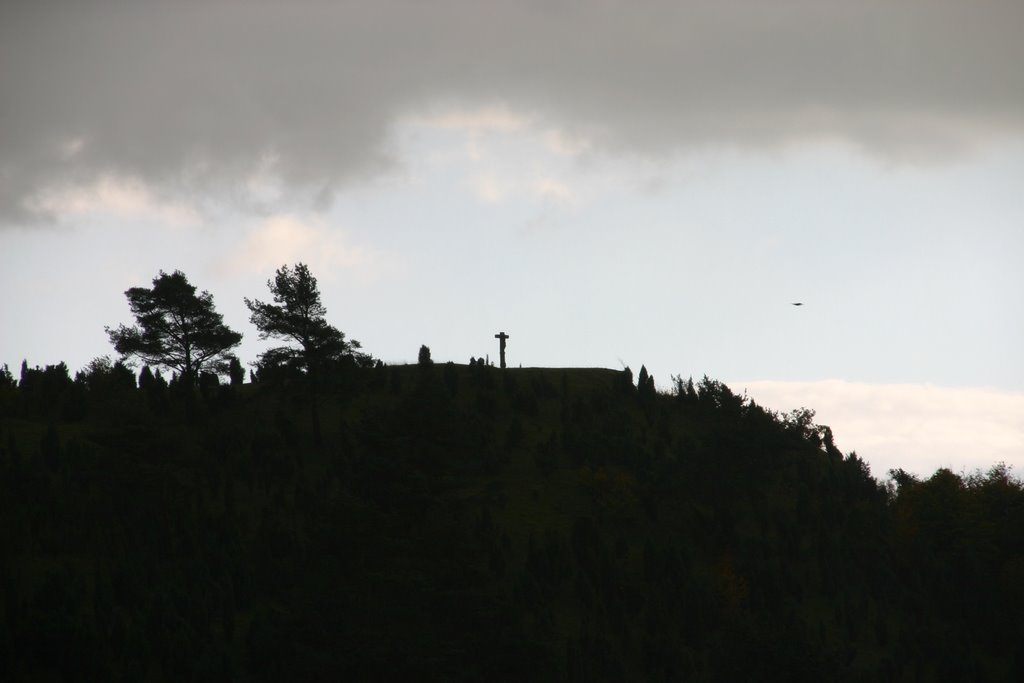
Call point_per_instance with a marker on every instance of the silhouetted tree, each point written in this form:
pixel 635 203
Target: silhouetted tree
pixel 800 421
pixel 6 378
pixel 176 328
pixel 424 357
pixel 297 315
pixel 47 391
pixel 236 372
pixel 102 377
pixel 645 383
pixel 8 390
pixel 154 387
pixel 146 379
pixel 684 390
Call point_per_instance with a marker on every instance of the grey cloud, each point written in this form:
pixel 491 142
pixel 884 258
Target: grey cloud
pixel 191 96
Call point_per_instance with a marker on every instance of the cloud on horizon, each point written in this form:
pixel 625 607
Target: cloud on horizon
pixel 190 99
pixel 909 426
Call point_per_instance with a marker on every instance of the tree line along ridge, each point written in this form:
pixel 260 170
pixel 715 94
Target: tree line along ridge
pixel 340 518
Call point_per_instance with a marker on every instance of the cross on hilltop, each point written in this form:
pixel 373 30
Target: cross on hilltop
pixel 501 337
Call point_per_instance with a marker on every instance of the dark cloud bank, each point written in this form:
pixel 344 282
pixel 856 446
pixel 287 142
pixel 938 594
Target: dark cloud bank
pixel 190 97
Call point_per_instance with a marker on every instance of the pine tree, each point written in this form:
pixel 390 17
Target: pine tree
pixel 176 328
pixel 297 316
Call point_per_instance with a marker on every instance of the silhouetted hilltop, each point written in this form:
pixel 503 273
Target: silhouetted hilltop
pixel 451 522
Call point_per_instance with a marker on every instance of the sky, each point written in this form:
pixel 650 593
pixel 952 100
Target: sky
pixel 611 183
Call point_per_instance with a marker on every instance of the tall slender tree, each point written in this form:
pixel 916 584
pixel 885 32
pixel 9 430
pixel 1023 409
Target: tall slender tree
pixel 297 316
pixel 175 328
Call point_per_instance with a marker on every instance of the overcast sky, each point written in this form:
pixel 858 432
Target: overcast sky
pixel 609 182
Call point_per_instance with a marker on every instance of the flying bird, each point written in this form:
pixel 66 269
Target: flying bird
pixel 798 303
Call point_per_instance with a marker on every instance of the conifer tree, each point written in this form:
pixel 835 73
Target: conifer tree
pixel 146 379
pixel 424 356
pixel 236 372
pixel 297 316
pixel 176 328
pixel 6 378
pixel 645 382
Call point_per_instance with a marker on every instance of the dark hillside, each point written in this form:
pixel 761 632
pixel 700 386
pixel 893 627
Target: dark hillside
pixel 448 522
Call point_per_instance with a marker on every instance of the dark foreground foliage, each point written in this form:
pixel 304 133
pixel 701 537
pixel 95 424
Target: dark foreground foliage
pixel 440 522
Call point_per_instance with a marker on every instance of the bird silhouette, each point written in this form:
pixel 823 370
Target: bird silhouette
pixel 798 303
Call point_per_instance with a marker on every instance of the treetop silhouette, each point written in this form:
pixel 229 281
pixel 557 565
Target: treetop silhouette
pixel 297 315
pixel 176 328
pixel 424 356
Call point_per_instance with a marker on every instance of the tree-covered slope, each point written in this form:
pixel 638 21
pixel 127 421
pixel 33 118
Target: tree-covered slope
pixel 446 522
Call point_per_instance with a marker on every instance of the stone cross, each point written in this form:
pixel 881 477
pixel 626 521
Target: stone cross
pixel 501 337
